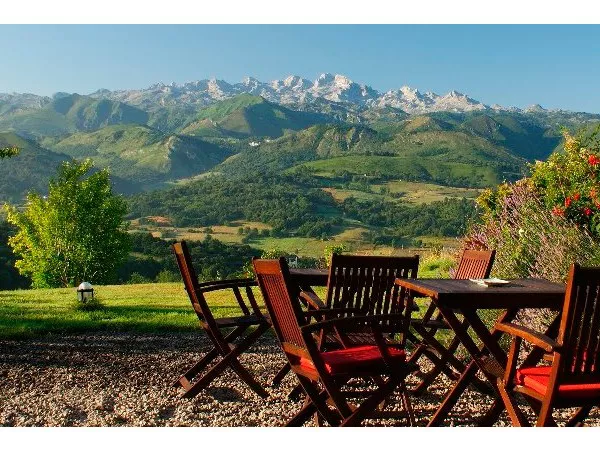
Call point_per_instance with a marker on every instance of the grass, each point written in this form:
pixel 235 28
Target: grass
pixel 140 307
pixel 154 307
pixel 411 167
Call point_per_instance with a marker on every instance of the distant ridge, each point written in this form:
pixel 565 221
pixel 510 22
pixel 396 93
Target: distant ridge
pixel 291 90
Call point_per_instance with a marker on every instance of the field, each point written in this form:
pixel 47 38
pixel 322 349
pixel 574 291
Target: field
pixel 155 307
pixel 402 167
pixel 405 191
pixel 349 233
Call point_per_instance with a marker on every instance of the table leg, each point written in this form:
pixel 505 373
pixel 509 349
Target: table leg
pixel 488 339
pixel 453 396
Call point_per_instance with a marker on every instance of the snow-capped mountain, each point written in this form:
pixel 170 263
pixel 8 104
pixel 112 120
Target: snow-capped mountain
pixel 294 90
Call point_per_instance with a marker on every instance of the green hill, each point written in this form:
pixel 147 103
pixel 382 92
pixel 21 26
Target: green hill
pixel 250 116
pixel 524 136
pixel 33 167
pixel 71 113
pixel 142 154
pixel 29 170
pixel 426 153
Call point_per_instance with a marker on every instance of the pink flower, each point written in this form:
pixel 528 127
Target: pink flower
pixel 587 211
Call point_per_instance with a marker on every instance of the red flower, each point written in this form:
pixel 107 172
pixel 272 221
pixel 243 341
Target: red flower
pixel 567 202
pixel 576 196
pixel 587 211
pixel 593 160
pixel 558 211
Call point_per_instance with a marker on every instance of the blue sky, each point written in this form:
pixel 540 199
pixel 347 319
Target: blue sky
pixel 556 66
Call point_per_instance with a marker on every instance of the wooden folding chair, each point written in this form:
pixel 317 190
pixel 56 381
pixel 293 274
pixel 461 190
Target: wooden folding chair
pixel 362 285
pixel 472 264
pixel 573 378
pixel 323 374
pixel 227 346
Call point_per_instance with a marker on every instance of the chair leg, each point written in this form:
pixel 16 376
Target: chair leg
pixel 580 415
pixel 230 359
pixel 243 373
pixel 545 418
pixel 308 409
pixel 319 400
pixel 407 405
pixel 516 415
pixel 196 368
pixel 296 393
pixel 208 377
pixel 278 378
pixel 369 405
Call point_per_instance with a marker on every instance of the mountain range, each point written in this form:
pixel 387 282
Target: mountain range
pixel 330 128
pixel 292 90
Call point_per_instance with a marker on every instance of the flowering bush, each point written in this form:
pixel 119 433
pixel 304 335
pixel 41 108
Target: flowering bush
pixel 542 224
pixel 569 182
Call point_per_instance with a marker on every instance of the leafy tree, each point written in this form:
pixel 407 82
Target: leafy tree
pixel 7 152
pixel 76 233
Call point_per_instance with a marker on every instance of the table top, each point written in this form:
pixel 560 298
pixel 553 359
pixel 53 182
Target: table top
pixel 464 294
pixel 312 277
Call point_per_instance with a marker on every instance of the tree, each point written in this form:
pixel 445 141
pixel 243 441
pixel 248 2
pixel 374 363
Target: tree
pixel 76 233
pixel 7 152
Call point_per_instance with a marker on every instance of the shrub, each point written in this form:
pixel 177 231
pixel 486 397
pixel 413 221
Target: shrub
pixel 137 278
pixel 568 182
pixel 529 240
pixel 167 276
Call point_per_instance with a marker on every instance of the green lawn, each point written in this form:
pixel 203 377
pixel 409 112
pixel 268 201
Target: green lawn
pixel 154 307
pixel 140 307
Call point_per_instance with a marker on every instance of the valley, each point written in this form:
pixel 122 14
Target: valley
pixel 292 165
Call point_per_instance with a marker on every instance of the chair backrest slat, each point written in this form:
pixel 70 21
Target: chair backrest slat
pixel 196 291
pixel 285 312
pixel 190 281
pixel 579 331
pixel 367 282
pixel 475 264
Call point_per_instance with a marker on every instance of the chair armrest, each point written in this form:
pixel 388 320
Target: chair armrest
pixel 349 320
pixel 335 312
pixel 534 337
pixel 312 300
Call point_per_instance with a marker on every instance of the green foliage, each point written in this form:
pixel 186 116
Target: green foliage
pixel 152 259
pixel 334 249
pixel 568 182
pixel 167 276
pixel 93 304
pixel 442 218
pixel 77 233
pixel 137 278
pixel 141 154
pixel 31 170
pixel 8 152
pixel 216 200
pixel 9 275
pixel 540 225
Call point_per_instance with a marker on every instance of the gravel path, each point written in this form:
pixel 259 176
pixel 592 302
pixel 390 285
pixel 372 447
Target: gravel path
pixel 124 379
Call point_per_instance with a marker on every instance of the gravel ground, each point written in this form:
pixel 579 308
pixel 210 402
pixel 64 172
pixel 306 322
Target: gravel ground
pixel 124 379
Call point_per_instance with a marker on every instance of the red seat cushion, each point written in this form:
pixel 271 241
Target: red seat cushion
pixel 355 359
pixel 537 378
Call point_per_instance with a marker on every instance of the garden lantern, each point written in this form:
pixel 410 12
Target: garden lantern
pixel 85 292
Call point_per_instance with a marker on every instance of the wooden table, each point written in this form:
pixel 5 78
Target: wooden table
pixel 465 297
pixel 310 277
